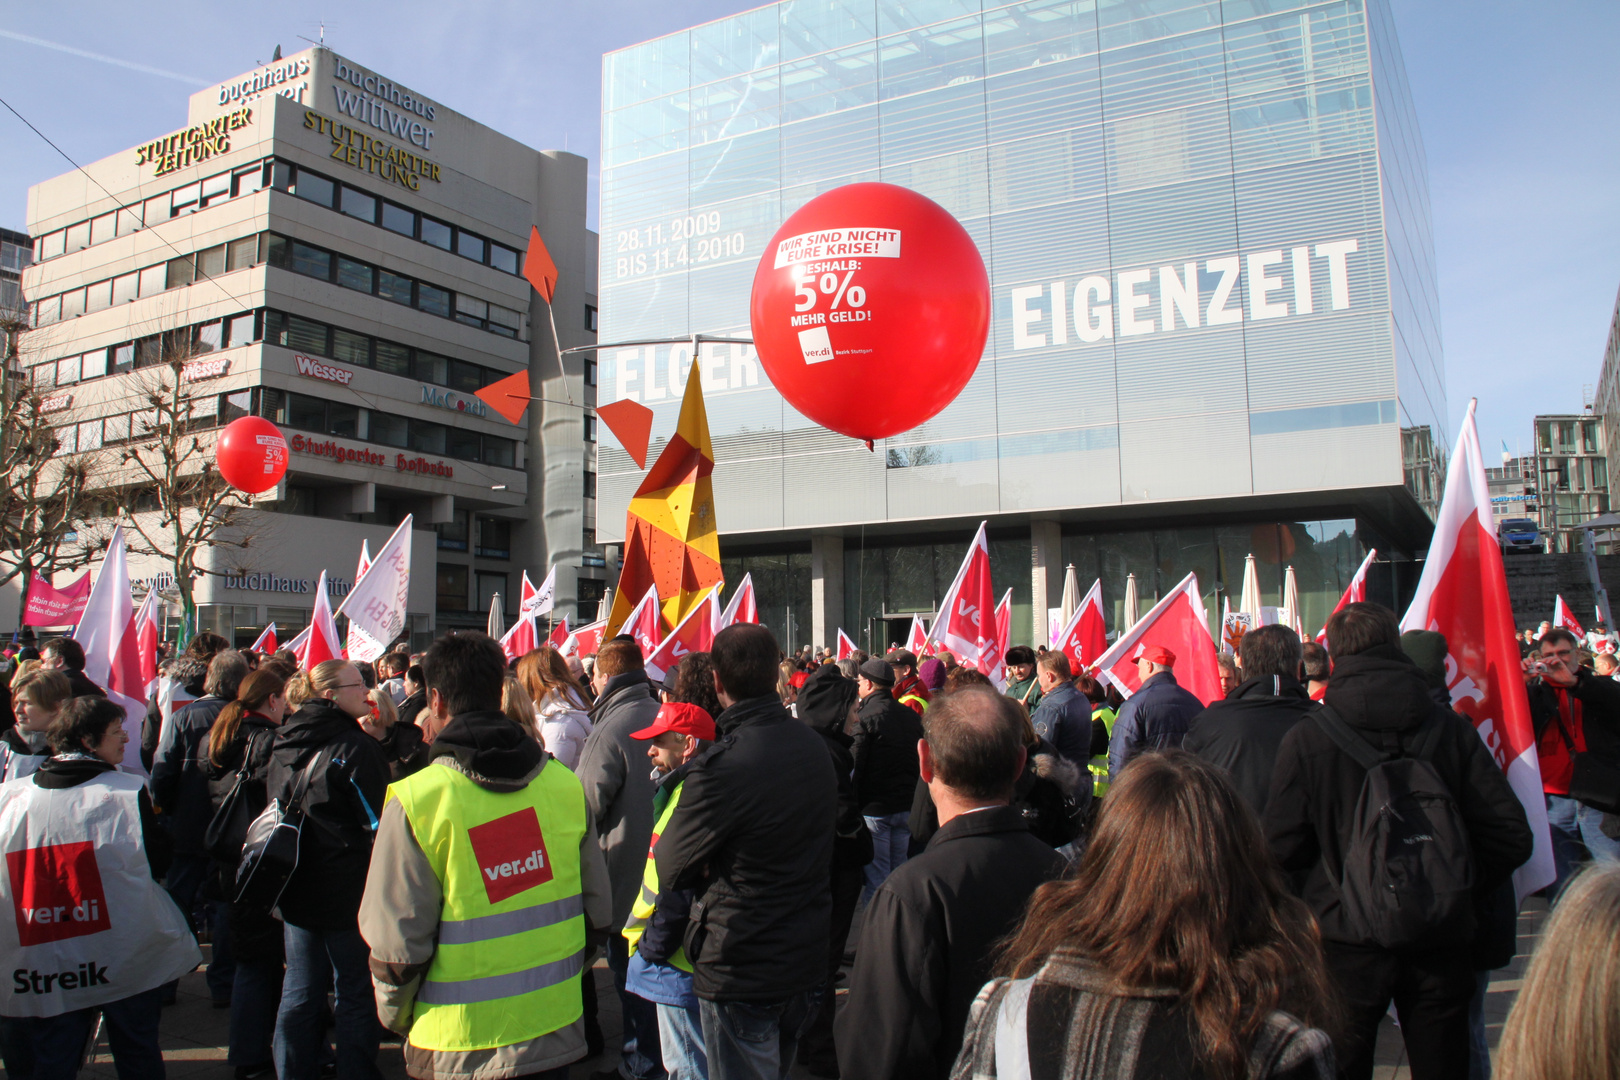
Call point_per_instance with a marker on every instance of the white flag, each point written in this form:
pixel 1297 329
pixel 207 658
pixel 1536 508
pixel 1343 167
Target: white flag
pixel 376 604
pixel 107 633
pixel 542 599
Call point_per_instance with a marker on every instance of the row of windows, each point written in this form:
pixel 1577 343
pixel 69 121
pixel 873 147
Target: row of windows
pixel 277 328
pixel 87 435
pixel 288 254
pixel 317 338
pixel 284 176
pixel 318 262
pixel 301 412
pixel 494 535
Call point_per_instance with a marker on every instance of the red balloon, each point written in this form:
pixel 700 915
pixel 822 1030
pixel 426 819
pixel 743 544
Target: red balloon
pixel 870 309
pixel 251 454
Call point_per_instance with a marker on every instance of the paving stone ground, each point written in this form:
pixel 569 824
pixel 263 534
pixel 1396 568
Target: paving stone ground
pixel 194 1033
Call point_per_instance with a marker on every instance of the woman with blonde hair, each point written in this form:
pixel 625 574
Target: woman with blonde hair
pixel 37 699
pixel 519 706
pixel 560 706
pixel 1172 951
pixel 1565 1023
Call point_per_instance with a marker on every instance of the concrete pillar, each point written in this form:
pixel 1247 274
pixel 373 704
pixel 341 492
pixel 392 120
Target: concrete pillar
pixel 442 511
pixel 363 498
pixel 826 587
pixel 1045 576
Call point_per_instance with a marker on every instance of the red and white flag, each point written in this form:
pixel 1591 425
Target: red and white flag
pixel 995 651
pixel 645 623
pixel 147 633
pixel 694 634
pixel 356 644
pixel 966 623
pixel 1085 638
pixel 322 643
pixel 1354 593
pixel 917 639
pixel 111 640
pixel 536 602
pixel 1463 594
pixel 376 605
pixel 265 642
pixel 846 647
pixel 1177 623
pixel 559 634
pixel 524 636
pixel 585 641
pixel 519 641
pixel 1564 617
pixel 744 608
pixel 299 641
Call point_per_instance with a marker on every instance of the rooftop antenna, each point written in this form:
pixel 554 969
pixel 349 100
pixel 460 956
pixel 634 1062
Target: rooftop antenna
pixel 312 41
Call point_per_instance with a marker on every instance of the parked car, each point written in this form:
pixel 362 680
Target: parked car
pixel 1519 534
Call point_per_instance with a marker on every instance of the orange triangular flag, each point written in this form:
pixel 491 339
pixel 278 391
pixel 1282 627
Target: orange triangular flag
pixel 509 397
pixel 631 423
pixel 538 267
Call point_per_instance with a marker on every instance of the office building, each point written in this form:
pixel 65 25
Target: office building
pixel 1214 327
pixel 327 248
pixel 1571 478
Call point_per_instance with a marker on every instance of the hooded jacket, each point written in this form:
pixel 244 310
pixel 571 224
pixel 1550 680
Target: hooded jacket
pixel 1241 734
pixel 885 752
pixel 824 704
pixel 1153 718
pixel 399 914
pixel 347 782
pixel 183 683
pixel 179 775
pixel 753 836
pixel 618 787
pixel 1315 786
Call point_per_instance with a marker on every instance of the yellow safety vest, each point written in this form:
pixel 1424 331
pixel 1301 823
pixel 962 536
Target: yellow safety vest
pixel 646 903
pixel 909 698
pixel 512 926
pixel 1098 766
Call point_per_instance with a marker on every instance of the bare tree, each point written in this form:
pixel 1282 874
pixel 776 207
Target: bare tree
pixel 43 496
pixel 181 506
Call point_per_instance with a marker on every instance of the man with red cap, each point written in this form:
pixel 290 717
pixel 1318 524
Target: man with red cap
pixel 659 970
pixel 1156 716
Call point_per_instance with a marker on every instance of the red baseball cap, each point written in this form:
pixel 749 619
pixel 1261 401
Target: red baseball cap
pixel 682 717
pixel 1156 654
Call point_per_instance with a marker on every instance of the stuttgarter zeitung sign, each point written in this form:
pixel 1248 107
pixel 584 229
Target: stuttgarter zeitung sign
pixel 195 144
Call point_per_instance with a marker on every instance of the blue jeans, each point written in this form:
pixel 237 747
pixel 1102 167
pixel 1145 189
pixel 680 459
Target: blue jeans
pixel 891 835
pixel 255 1000
pixel 641 1057
pixel 132 1031
pixel 748 1040
pixel 316 960
pixel 680 1036
pixel 1574 825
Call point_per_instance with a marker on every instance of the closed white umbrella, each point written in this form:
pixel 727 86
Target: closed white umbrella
pixel 1291 602
pixel 496 628
pixel 1249 599
pixel 1071 594
pixel 605 608
pixel 1130 601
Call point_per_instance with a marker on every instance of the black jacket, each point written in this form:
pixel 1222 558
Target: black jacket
pixel 180 773
pixel 666 927
pixel 58 773
pixel 824 703
pixel 885 752
pixel 1600 711
pixel 81 685
pixel 191 672
pixel 1153 718
pixel 341 805
pixel 404 749
pixel 1242 733
pixel 1053 795
pixel 412 706
pixel 753 837
pixel 255 935
pixel 1315 786
pixel 926 943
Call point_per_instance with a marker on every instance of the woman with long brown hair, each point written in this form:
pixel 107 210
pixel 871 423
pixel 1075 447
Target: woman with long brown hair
pixel 560 706
pixel 1174 950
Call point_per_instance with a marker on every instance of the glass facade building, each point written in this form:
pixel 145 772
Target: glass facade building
pixel 1206 226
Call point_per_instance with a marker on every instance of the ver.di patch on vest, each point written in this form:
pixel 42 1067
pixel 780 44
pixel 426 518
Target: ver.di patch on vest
pixel 511 854
pixel 56 893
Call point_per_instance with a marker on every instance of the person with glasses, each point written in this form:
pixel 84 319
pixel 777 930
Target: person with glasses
pixel 347 777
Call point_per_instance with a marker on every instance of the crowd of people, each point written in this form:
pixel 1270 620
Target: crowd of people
pixel 875 867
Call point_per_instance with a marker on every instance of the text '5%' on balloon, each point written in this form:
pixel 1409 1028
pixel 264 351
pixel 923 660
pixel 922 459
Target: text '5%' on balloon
pixel 870 309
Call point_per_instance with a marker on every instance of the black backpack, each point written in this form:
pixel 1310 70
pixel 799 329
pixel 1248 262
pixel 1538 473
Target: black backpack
pixel 1408 874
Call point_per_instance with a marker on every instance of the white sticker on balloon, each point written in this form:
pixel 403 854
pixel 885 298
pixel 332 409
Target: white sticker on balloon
pixel 815 345
pixel 838 244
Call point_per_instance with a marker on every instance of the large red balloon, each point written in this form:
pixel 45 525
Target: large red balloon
pixel 870 309
pixel 251 454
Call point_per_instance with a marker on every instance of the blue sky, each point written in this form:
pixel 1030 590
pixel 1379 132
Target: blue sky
pixel 1515 101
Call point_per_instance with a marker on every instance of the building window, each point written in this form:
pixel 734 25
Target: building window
pixel 590 317
pixel 590 484
pixel 453 533
pixel 590 372
pixel 589 592
pixel 590 428
pixel 494 538
pixel 452 588
pixel 488 586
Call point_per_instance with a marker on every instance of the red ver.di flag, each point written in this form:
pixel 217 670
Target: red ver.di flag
pixel 1177 623
pixel 1085 638
pixel 1463 594
pixel 50 606
pixel 966 622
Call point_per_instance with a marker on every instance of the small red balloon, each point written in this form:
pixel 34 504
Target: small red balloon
pixel 870 309
pixel 251 454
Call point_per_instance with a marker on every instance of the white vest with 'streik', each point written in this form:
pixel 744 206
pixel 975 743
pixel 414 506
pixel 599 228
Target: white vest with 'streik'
pixel 82 923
